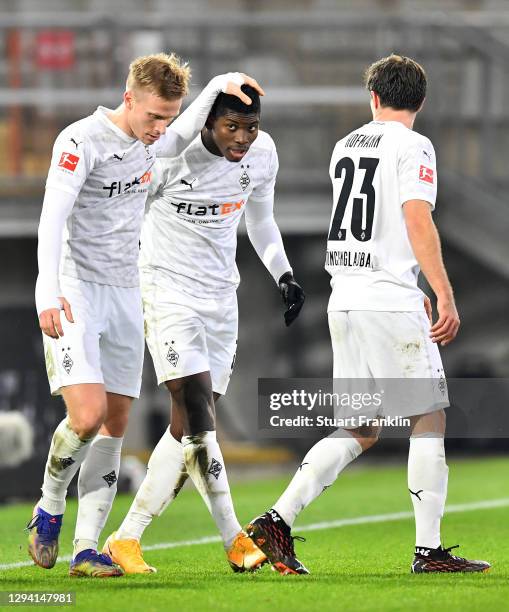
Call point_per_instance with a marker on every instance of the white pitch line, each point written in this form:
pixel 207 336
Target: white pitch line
pixel 359 520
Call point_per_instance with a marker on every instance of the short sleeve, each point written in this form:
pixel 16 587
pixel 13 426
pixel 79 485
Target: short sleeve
pixel 71 161
pixel 417 171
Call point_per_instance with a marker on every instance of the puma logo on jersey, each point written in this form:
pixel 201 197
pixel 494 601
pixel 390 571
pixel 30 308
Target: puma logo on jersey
pixel 118 156
pixel 75 143
pixel 428 155
pixel 189 184
pixel 426 175
pixel 68 161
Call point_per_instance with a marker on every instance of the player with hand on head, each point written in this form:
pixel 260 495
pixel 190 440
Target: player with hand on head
pixel 189 279
pixel 384 186
pixel 97 187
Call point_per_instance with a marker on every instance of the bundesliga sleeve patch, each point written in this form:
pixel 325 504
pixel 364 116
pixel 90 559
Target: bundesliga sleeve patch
pixel 426 175
pixel 68 161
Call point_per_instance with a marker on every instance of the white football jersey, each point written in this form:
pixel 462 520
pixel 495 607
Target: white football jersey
pixel 190 231
pixel 109 173
pixel 374 171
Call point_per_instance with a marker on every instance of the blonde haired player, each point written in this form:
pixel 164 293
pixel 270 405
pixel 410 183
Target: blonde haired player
pixel 87 254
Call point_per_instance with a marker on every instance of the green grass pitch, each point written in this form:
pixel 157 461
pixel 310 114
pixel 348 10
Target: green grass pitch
pixel 354 567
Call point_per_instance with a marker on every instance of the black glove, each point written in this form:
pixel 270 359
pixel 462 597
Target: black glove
pixel 293 297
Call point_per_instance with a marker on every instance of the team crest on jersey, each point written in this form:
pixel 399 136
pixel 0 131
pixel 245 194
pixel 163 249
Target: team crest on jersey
pixel 68 161
pixel 244 179
pixel 426 175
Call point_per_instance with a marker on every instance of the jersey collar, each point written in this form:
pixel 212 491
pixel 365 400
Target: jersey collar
pixel 102 114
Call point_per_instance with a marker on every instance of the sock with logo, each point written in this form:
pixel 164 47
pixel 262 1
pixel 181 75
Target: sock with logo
pixel 66 454
pixel 205 465
pixel 427 483
pixel 318 470
pixel 166 475
pixel 97 486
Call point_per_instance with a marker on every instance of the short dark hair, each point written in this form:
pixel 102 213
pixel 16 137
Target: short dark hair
pixel 226 102
pixel 399 81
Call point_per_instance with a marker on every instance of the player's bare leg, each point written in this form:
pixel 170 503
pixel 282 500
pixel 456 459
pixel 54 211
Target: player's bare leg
pixel 319 469
pixel 86 410
pixel 427 483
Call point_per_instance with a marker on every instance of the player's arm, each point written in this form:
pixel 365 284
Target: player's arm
pixel 417 173
pixel 49 301
pixel 425 241
pixel 187 126
pixel 264 235
pixel 70 164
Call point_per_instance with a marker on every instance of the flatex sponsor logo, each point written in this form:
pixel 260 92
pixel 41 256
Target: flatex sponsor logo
pixel 200 210
pixel 136 185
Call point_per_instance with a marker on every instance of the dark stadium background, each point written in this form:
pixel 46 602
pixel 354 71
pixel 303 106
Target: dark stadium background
pixel 61 58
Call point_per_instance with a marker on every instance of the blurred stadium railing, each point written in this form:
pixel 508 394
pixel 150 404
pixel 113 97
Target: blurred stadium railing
pixel 57 65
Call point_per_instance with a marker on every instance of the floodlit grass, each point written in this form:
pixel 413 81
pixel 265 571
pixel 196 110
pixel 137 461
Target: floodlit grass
pixel 353 567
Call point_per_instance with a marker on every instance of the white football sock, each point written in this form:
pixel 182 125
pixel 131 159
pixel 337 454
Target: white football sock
pixel 97 486
pixel 65 456
pixel 166 475
pixel 318 470
pixel 427 482
pixel 205 465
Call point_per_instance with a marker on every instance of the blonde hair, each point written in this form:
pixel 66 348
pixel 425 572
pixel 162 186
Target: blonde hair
pixel 161 74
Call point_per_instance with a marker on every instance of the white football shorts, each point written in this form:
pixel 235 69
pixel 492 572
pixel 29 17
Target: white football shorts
pixel 187 334
pixel 105 343
pixel 393 351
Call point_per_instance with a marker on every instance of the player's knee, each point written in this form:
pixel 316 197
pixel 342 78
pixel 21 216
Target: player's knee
pixel 192 397
pixel 87 423
pixel 199 407
pixel 431 424
pixel 176 389
pixel 115 424
pixel 366 436
pixel 86 428
pixel 368 442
